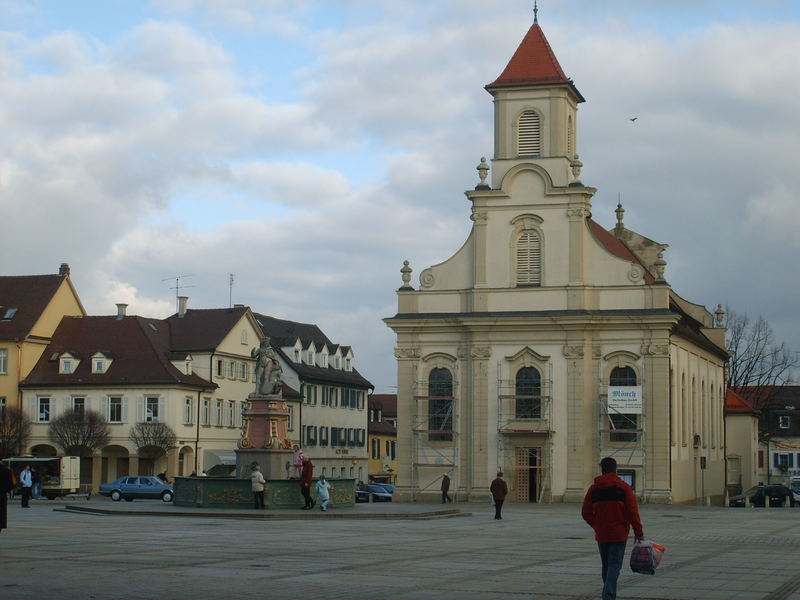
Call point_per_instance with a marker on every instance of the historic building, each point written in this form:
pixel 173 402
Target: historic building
pixel 741 443
pixel 546 341
pixel 382 437
pixel 329 420
pixel 31 307
pixel 192 371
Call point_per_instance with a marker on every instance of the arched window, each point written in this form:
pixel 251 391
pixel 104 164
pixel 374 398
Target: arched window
pixel 529 134
pixel 528 393
pixel 529 259
pixel 622 377
pixel 440 405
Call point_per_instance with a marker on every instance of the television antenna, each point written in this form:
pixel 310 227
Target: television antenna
pixel 178 287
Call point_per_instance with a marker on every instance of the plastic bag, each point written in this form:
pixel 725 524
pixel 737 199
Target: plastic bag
pixel 645 557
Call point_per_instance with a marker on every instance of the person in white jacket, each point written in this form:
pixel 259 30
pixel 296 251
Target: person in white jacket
pixel 323 489
pixel 257 482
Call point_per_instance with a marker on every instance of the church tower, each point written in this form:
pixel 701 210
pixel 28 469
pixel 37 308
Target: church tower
pixel 510 351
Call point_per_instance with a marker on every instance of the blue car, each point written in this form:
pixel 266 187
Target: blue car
pixel 137 486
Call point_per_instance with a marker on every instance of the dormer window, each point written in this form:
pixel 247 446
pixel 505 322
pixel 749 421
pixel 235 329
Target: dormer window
pixel 312 357
pixel 348 364
pixel 100 363
pixel 338 362
pixel 67 364
pixel 324 360
pixel 297 355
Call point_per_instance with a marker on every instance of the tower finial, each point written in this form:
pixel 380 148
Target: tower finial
pixel 535 12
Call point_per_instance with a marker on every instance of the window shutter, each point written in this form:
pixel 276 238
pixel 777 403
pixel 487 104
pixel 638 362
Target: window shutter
pixel 529 259
pixel 124 409
pixel 87 403
pixel 162 410
pixel 69 403
pixel 104 407
pixel 529 134
pixel 33 408
pixel 139 409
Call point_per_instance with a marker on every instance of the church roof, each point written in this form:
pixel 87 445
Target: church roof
pixel 534 63
pixel 735 403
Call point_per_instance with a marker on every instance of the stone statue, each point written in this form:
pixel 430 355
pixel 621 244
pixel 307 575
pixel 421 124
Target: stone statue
pixel 269 375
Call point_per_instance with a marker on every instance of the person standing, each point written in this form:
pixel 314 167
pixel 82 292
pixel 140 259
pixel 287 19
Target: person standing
pixel 305 482
pixel 26 483
pixel 499 489
pixel 257 482
pixel 6 485
pixel 446 488
pixel 323 489
pixel 610 509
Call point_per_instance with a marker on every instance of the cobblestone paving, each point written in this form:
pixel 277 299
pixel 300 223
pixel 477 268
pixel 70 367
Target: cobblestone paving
pixel 536 552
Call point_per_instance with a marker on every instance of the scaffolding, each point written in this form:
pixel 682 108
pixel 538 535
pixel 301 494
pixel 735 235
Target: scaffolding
pixel 525 437
pixel 622 436
pixel 435 438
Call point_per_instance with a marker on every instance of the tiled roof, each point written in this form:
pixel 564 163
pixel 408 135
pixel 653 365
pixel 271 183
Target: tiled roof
pixel 204 329
pixel 30 295
pixel 140 348
pixel 323 375
pixel 386 402
pixel 533 63
pixel 736 404
pixel 284 333
pixel 616 247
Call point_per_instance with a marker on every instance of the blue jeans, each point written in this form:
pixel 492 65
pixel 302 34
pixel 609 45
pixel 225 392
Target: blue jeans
pixel 611 554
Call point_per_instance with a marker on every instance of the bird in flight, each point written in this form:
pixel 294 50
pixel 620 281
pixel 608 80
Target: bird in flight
pixel 633 120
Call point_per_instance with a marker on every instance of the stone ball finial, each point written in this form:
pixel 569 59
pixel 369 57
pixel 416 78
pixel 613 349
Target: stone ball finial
pixel 406 274
pixel 483 173
pixel 719 316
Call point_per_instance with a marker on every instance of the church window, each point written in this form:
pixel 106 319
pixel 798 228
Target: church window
pixel 529 134
pixel 623 376
pixel 528 394
pixel 440 405
pixel 529 259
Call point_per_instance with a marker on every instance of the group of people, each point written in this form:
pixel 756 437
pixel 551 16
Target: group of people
pixel 302 469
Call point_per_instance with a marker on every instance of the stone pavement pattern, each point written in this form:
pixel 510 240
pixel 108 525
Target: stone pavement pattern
pixel 541 552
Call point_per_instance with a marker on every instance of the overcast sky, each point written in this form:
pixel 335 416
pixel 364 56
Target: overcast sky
pixel 310 146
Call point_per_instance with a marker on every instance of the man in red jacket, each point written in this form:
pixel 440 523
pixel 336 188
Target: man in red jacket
pixel 610 508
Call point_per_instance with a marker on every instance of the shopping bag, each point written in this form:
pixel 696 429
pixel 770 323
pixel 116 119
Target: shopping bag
pixel 645 557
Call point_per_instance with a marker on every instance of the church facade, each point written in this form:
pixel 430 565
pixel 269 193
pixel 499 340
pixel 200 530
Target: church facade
pixel 547 342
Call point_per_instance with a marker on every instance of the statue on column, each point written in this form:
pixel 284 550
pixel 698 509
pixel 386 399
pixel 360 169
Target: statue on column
pixel 268 372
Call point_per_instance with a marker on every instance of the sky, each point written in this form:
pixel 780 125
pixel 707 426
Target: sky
pixel 309 147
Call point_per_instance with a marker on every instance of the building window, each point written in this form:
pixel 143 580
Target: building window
pixel 218 413
pixel 115 409
pixel 440 405
pixel 206 411
pixel 43 409
pixel 229 408
pixel 623 376
pixel 376 448
pixel 361 396
pixel 231 370
pixel 338 362
pixel 290 420
pixel 323 436
pixel 529 134
pixel 99 365
pixel 79 405
pixel 3 361
pixel 220 368
pixel 66 366
pixel 324 360
pixel 188 404
pixel 243 371
pixel 528 393
pixel 312 357
pixel 311 394
pixel 335 397
pixel 326 396
pixel 151 409
pixel 784 421
pixel 348 364
pixel 296 355
pixel 393 450
pixel 529 259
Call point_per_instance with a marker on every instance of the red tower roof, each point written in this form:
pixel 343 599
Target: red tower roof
pixel 534 63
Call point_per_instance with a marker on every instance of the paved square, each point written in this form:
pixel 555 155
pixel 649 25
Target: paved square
pixel 537 552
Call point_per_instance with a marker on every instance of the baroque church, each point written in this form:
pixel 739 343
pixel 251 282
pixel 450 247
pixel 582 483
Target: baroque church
pixel 547 342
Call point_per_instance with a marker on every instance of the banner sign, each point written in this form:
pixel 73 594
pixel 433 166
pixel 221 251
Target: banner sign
pixel 625 400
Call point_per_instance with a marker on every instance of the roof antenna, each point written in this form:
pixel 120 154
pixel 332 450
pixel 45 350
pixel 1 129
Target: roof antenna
pixel 535 12
pixel 178 287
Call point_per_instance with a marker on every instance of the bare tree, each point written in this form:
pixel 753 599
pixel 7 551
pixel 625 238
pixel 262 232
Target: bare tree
pixel 152 437
pixel 15 431
pixel 758 361
pixel 79 432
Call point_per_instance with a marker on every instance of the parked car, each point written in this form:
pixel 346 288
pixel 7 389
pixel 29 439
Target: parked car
pixel 374 492
pixel 775 494
pixel 137 486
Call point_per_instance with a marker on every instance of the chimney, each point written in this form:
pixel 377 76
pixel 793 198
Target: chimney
pixel 121 311
pixel 182 301
pixel 63 270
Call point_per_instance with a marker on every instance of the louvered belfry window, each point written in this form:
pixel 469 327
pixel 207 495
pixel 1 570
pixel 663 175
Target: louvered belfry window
pixel 529 135
pixel 529 259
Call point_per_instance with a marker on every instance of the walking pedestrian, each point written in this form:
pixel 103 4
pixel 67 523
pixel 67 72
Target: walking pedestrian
pixel 305 482
pixel 323 489
pixel 610 509
pixel 499 489
pixel 6 485
pixel 257 482
pixel 26 483
pixel 446 488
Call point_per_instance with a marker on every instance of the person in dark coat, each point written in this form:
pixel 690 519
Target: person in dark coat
pixel 610 509
pixel 305 482
pixel 446 488
pixel 499 489
pixel 6 485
